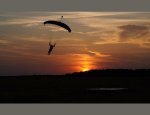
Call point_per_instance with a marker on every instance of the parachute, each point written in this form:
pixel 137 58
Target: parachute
pixel 58 23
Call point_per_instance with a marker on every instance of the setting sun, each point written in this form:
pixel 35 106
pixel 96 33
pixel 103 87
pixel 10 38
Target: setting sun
pixel 87 63
pixel 85 69
pixel 108 41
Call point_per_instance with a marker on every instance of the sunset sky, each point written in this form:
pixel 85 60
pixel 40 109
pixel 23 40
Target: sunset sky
pixel 99 40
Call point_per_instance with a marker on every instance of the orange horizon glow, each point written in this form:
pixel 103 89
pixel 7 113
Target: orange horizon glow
pixel 86 63
pixel 84 69
pixel 99 40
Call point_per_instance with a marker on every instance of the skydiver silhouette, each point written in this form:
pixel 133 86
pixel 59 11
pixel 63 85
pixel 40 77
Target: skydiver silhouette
pixel 51 48
pixel 61 18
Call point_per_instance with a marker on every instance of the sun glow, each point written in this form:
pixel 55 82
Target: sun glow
pixel 86 63
pixel 85 69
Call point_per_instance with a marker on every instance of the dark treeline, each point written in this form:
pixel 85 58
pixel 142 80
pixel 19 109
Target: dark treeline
pixel 96 73
pixel 113 73
pixel 74 87
pixel 93 78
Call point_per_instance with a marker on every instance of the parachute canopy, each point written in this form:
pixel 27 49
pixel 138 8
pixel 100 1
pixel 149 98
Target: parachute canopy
pixel 58 23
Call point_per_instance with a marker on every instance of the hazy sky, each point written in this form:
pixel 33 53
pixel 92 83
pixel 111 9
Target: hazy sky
pixel 74 5
pixel 98 40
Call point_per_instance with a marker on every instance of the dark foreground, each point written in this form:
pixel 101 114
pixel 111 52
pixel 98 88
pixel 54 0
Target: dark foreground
pixel 97 86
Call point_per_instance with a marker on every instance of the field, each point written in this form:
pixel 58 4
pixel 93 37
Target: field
pixel 95 86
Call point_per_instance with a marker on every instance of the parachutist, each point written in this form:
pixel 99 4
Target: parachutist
pixel 51 48
pixel 61 18
pixel 60 24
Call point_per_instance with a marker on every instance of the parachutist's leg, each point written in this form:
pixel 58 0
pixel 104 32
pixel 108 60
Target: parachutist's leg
pixel 49 53
pixel 49 43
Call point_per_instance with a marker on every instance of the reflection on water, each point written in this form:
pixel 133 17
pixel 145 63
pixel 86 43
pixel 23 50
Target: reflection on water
pixel 108 89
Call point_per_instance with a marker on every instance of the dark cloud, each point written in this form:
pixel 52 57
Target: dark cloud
pixel 133 32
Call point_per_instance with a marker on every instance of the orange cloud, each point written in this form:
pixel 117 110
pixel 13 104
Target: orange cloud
pixel 98 54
